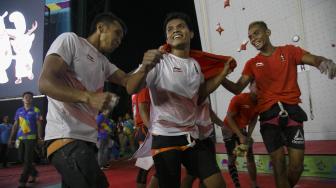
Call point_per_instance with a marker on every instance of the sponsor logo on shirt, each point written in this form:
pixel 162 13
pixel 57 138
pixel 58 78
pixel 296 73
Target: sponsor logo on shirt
pixel 259 64
pixel 90 58
pixel 298 138
pixel 177 69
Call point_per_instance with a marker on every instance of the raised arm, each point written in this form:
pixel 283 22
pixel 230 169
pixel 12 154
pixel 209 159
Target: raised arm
pixel 212 84
pixel 136 81
pixel 326 66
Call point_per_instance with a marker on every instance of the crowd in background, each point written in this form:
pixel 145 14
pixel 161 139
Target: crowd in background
pixel 116 137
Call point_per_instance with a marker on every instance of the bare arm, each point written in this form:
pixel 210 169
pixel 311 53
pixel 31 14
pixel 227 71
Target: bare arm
pixel 132 82
pixel 51 81
pixel 326 66
pixel 215 119
pixel 136 81
pixel 13 133
pixel 313 60
pixel 39 130
pixel 251 126
pixel 232 123
pixel 237 87
pixel 144 113
pixel 52 84
pixel 212 84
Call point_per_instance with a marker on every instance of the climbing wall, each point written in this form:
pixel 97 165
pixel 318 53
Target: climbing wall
pixel 310 24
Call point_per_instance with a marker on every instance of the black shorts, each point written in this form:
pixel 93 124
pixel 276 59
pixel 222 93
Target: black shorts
pixel 278 133
pixel 200 160
pixel 275 136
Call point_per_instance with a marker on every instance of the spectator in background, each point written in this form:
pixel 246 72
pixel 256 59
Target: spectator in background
pixel 121 136
pixel 5 129
pixel 27 128
pixel 128 127
pixel 141 112
pixel 104 131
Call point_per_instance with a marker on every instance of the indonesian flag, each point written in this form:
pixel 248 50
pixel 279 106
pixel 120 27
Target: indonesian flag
pixel 211 64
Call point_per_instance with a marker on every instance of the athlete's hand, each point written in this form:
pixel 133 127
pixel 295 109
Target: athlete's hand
pixel 150 59
pixel 328 67
pixel 228 67
pixel 164 48
pixel 102 101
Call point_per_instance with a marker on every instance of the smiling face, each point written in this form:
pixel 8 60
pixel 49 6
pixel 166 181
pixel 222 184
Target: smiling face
pixel 178 34
pixel 110 36
pixel 259 36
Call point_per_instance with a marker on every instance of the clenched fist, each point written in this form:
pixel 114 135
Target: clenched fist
pixel 150 59
pixel 103 101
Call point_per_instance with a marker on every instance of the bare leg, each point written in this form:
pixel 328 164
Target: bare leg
pixel 295 165
pixel 187 181
pixel 279 168
pixel 251 168
pixel 154 182
pixel 215 181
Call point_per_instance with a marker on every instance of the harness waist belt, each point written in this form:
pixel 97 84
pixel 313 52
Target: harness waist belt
pixel 57 144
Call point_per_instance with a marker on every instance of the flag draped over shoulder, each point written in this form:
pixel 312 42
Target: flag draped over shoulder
pixel 212 64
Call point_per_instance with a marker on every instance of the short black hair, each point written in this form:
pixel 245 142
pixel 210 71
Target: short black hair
pixel 262 24
pixel 27 93
pixel 178 15
pixel 107 18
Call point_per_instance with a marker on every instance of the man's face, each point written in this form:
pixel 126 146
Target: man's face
pixel 178 33
pixel 5 119
pixel 110 37
pixel 27 99
pixel 258 36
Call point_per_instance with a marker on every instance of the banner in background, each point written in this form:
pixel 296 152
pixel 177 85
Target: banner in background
pixel 314 166
pixel 21 46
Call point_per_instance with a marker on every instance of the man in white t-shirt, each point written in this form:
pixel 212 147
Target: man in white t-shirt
pixel 73 78
pixel 177 88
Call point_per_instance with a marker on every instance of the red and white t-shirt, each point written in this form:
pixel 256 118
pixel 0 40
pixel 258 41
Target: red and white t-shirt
pixel 173 84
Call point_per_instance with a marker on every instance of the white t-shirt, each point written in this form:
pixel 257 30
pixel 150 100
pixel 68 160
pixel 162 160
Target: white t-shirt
pixel 173 84
pixel 203 122
pixel 87 70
